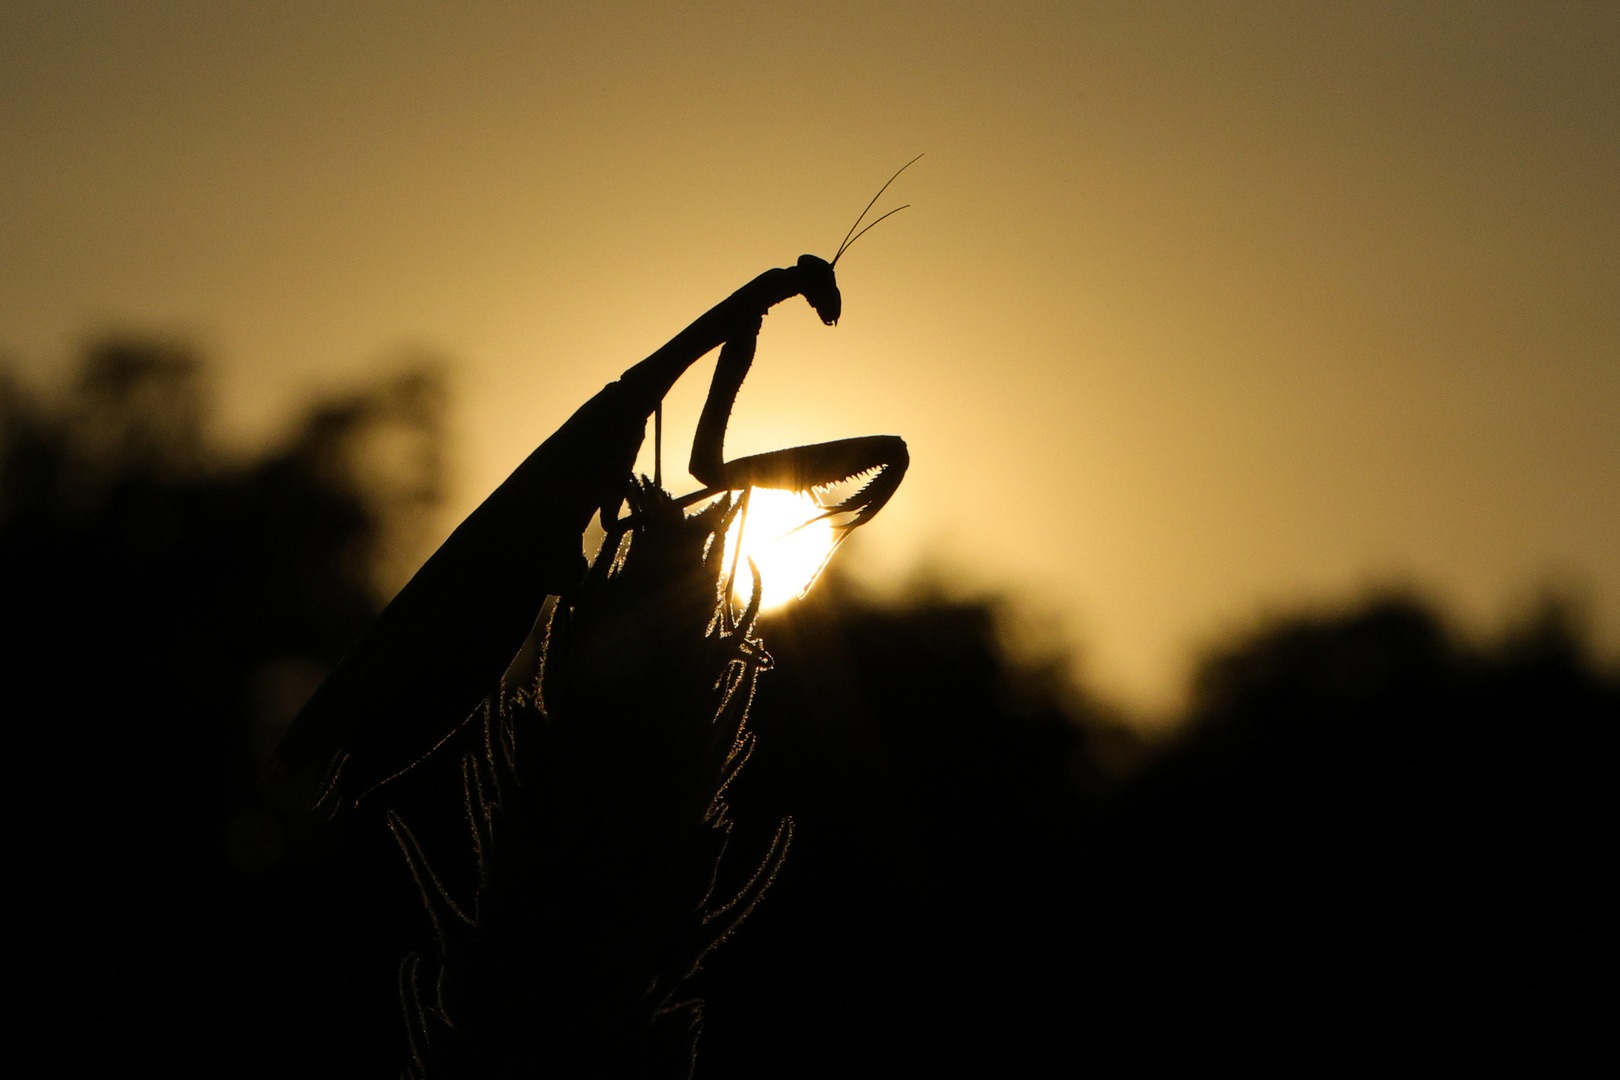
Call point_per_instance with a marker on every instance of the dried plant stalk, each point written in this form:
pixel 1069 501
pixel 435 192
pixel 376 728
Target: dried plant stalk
pixel 598 824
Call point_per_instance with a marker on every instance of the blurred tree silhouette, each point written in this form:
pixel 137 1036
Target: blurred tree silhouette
pixel 165 612
pixel 939 789
pixel 1377 845
pixel 1370 844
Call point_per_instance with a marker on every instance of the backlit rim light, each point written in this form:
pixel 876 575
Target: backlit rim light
pixel 788 552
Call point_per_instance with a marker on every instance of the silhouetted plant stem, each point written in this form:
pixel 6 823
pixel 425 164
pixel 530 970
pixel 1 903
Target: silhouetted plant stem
pixel 598 824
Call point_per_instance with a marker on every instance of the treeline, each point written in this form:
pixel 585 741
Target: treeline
pixel 1370 843
pixel 166 608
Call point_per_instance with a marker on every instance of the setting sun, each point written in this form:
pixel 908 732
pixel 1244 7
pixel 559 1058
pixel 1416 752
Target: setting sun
pixel 786 538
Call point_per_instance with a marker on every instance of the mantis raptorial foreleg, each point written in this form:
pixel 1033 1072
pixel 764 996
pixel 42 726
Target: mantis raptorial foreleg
pixel 800 468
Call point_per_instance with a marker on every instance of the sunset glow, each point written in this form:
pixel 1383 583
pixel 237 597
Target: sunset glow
pixel 786 539
pixel 1198 309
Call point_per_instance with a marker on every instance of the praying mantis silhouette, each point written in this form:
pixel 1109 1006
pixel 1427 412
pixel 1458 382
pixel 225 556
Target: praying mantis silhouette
pixel 443 642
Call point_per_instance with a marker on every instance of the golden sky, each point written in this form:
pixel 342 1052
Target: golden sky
pixel 1199 310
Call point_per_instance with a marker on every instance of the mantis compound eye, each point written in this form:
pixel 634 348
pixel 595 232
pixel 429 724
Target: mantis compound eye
pixel 821 288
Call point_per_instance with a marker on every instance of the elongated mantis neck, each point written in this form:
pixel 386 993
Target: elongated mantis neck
pixel 650 380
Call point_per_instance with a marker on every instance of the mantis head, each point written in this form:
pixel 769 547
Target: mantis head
pixel 820 288
pixel 818 284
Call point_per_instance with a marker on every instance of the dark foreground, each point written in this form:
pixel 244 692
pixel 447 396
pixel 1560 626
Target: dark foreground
pixel 1371 845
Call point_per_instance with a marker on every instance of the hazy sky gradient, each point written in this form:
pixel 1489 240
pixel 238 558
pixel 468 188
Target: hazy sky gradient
pixel 1199 309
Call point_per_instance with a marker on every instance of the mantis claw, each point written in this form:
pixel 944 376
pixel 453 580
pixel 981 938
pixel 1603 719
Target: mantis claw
pixel 824 466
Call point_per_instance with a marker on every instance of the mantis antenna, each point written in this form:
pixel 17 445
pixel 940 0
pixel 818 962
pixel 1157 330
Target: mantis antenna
pixel 852 236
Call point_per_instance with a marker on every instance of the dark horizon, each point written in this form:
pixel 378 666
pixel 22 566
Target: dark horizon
pixel 1369 838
